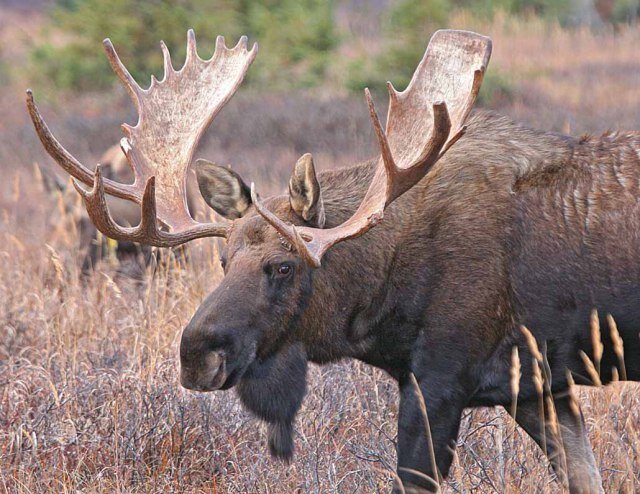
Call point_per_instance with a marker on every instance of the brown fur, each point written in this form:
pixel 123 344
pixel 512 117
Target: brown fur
pixel 512 227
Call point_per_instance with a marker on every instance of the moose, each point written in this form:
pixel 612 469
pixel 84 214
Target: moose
pixel 426 261
pixel 132 258
pixel 93 246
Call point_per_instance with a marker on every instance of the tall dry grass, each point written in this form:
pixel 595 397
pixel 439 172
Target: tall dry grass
pixel 89 395
pixel 575 81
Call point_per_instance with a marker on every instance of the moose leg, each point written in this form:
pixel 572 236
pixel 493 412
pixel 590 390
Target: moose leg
pixel 569 452
pixel 415 464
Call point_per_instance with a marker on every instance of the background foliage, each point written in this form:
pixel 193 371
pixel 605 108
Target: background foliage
pixel 296 37
pixel 299 41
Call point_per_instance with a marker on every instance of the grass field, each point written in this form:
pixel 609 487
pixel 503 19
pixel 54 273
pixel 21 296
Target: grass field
pixel 89 393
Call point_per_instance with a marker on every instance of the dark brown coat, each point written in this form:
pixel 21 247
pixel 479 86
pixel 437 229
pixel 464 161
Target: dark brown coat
pixel 512 227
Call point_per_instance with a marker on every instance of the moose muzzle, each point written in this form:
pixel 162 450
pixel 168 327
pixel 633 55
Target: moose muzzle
pixel 207 375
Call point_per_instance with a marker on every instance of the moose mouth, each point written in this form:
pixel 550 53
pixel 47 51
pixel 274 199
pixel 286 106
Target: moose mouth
pixel 232 379
pixel 216 376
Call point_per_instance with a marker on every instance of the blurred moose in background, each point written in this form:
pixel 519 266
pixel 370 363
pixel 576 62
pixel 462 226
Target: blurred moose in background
pixel 425 262
pixel 131 258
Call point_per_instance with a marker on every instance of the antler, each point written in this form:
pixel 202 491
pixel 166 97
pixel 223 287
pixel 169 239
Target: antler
pixel 418 133
pixel 173 113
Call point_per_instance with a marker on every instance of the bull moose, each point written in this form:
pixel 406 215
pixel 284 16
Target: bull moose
pixel 425 261
pixel 132 258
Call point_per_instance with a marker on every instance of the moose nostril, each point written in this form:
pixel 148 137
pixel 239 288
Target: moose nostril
pixel 216 369
pixel 214 361
pixel 204 374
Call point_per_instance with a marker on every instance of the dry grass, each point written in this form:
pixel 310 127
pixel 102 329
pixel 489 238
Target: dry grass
pixel 89 395
pixel 575 80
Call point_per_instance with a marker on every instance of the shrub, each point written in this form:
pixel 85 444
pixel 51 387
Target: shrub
pixel 411 23
pixel 296 40
pixel 295 37
pixel 626 11
pixel 496 87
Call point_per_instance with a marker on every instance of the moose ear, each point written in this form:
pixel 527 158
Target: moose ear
pixel 223 189
pixel 304 192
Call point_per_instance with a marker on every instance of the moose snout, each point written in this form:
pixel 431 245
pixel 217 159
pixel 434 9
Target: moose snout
pixel 207 373
pixel 217 345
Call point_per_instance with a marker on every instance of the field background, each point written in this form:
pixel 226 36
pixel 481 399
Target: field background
pixel 89 393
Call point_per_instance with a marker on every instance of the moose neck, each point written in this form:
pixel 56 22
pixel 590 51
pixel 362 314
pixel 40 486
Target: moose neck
pixel 351 286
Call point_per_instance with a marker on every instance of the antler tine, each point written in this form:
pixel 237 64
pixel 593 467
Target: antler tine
pixel 393 94
pixel 121 71
pixel 192 51
pixel 385 150
pixel 242 43
pixel 437 100
pixel 70 164
pixel 135 160
pixel 220 45
pixel 288 231
pixel 53 147
pixel 166 58
pixel 147 231
pixel 441 129
pixel 96 205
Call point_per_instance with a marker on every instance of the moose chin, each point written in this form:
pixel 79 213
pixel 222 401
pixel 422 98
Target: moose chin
pixel 468 245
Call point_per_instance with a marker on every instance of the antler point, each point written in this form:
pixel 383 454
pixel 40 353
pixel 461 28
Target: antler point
pixel 126 128
pixel 79 188
pixel 369 99
pixel 254 195
pixel 191 46
pixel 30 102
pixel 393 93
pixel 98 183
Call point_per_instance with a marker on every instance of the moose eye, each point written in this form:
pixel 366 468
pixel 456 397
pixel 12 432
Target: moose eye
pixel 223 263
pixel 284 269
